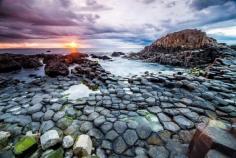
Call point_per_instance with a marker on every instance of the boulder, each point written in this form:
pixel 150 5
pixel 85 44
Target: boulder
pixel 4 139
pixel 56 68
pixel 212 136
pixel 25 144
pixel 117 54
pixel 83 146
pixel 8 64
pixel 67 142
pixel 49 139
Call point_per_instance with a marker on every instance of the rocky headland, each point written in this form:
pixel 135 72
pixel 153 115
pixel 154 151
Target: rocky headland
pixel 148 116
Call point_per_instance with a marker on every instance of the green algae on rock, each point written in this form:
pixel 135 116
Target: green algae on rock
pixel 24 144
pixel 53 153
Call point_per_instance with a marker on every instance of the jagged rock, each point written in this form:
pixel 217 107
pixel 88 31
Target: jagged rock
pixel 29 62
pixel 186 48
pixel 49 139
pixel 83 146
pixel 8 64
pixel 117 54
pixel 212 136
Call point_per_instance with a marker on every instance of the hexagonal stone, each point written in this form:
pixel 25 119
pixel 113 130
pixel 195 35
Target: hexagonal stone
pixel 158 152
pixel 119 145
pixel 95 133
pixel 106 127
pixel 183 122
pixel 163 117
pixel 111 135
pixel 35 108
pixel 64 123
pixel 120 126
pixel 171 126
pixel 154 109
pixel 99 121
pixel 106 145
pixel 37 116
pixel 130 137
pixel 88 110
pixel 58 115
pixel 56 106
pixel 86 126
pixel 46 125
pixel 48 115
pixel 144 131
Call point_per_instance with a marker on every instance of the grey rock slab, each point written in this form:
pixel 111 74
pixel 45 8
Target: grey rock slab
pixel 143 131
pixel 49 139
pixel 183 122
pixel 86 126
pixel 99 121
pixel 106 145
pixel 158 152
pixel 111 135
pixel 46 125
pixel 56 106
pixel 48 115
pixel 58 115
pixel 130 137
pixel 35 108
pixel 120 126
pixel 119 145
pixel 37 116
pixel 171 126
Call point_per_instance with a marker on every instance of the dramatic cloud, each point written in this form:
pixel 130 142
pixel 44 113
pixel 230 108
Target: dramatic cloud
pixel 113 23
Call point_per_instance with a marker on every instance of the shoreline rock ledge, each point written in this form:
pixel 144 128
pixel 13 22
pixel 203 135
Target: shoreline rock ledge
pixel 186 48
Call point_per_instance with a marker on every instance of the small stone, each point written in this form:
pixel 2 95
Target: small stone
pixel 56 106
pixel 49 139
pixel 83 146
pixel 106 145
pixel 48 115
pixel 67 142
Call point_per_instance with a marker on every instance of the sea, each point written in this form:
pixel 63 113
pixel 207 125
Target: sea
pixel 118 66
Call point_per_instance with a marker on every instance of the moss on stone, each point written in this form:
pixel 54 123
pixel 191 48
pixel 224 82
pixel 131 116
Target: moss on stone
pixel 196 72
pixel 53 153
pixel 24 144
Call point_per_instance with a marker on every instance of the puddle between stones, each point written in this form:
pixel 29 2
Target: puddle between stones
pixel 79 91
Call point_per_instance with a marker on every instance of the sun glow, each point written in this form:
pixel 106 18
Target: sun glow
pixel 72 45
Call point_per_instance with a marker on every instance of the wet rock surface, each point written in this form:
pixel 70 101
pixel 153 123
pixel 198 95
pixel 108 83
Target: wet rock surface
pixel 142 116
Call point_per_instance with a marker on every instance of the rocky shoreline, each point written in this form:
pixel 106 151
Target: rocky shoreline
pixel 147 116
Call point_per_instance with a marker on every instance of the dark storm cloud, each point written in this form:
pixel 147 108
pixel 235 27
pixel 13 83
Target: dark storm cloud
pixel 202 4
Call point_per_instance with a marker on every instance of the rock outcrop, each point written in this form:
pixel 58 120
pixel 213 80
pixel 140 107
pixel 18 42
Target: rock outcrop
pixel 8 64
pixel 187 48
pixel 56 68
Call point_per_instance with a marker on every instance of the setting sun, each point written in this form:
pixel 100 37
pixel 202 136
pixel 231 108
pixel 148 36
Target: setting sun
pixel 72 45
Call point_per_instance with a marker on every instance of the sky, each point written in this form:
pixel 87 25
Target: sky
pixel 110 23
